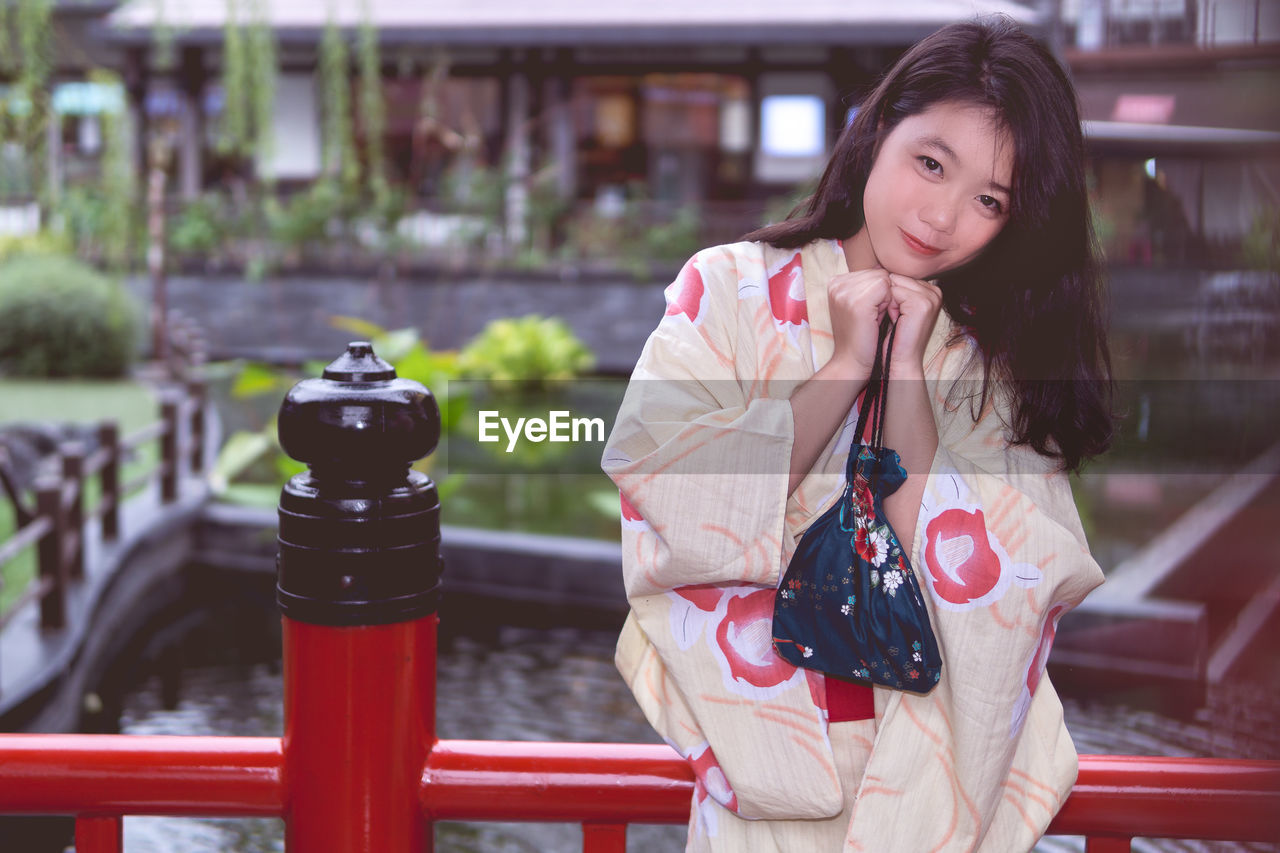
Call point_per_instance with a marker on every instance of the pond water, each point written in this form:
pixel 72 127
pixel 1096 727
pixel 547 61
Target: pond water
pixel 516 683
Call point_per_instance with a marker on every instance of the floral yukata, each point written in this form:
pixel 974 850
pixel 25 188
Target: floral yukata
pixel 701 455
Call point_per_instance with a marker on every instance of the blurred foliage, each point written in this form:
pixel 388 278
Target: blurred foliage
pixel 251 456
pixel 39 243
pixel 780 208
pixel 1262 244
pixel 101 220
pixel 675 239
pixel 249 70
pixel 307 217
pixel 639 237
pixel 202 226
pixel 117 183
pixel 373 110
pixel 251 467
pixel 337 139
pixel 26 103
pixel 474 188
pixel 59 317
pixel 531 348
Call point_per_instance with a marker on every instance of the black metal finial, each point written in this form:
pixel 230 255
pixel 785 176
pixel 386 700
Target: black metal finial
pixel 360 531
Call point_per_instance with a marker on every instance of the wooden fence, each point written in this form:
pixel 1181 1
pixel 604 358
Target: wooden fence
pixel 55 521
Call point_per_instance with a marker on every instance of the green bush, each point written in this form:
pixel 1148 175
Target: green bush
pixel 1262 244
pixel 201 228
pixel 308 217
pixel 530 348
pixel 59 317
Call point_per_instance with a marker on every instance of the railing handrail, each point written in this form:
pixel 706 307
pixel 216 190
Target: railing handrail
pixel 1116 796
pixel 359 669
pixel 56 524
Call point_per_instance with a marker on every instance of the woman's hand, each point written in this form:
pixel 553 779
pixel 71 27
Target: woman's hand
pixel 915 305
pixel 856 301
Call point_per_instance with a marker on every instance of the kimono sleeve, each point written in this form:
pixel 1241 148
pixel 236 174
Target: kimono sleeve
pixel 699 463
pixel 702 467
pixel 1001 556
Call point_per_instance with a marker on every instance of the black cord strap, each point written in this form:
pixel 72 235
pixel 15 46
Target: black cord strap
pixel 875 398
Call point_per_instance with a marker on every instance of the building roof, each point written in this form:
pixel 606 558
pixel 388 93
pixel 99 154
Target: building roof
pixel 1173 140
pixel 575 22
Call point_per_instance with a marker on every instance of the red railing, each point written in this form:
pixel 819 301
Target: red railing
pixel 604 787
pixel 359 768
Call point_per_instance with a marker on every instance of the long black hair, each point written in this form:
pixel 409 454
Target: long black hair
pixel 1034 300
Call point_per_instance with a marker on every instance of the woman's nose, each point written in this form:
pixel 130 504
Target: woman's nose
pixel 939 214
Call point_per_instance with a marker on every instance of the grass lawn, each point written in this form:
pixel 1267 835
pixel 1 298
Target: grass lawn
pixel 78 401
pixel 129 403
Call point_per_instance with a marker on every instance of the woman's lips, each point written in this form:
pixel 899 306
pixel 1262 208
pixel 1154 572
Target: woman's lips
pixel 919 247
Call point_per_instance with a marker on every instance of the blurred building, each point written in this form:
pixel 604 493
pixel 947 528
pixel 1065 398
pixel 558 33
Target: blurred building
pixel 1181 100
pixel 726 105
pixel 714 102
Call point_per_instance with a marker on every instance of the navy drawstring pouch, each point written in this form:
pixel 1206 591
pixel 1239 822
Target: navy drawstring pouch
pixel 849 604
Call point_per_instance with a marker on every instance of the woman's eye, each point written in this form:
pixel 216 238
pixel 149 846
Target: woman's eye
pixel 931 164
pixel 991 204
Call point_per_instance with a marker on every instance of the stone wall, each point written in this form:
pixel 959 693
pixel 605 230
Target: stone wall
pixel 287 320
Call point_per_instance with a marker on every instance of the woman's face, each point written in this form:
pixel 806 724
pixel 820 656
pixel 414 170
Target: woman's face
pixel 938 192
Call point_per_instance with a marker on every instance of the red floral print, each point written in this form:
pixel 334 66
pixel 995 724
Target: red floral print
pixel 628 511
pixel 1041 657
pixel 704 596
pixel 786 294
pixel 962 566
pixel 711 780
pixel 745 636
pixel 686 294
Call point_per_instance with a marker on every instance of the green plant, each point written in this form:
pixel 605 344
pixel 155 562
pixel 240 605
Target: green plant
pixel 1261 244
pixel 469 187
pixel 262 72
pixel 251 456
pixel 248 80
pixel 82 213
pixel 779 207
pixel 372 107
pixel 675 238
pixel 117 183
pixel 26 107
pixel 531 348
pixel 337 141
pixel 59 317
pixel 307 217
pixel 201 227
pixel 39 243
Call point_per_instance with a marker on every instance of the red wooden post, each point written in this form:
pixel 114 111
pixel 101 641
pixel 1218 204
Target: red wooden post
pixel 99 834
pixel 169 468
pixel 604 838
pixel 72 455
pixel 358 581
pixel 53 610
pixel 109 478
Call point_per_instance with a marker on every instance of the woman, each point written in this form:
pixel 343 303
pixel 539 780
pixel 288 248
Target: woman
pixel 955 204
